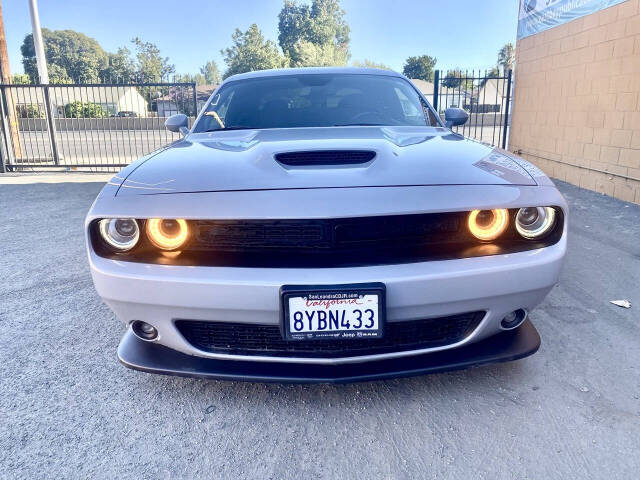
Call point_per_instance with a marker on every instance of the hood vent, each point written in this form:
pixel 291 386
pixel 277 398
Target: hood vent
pixel 325 157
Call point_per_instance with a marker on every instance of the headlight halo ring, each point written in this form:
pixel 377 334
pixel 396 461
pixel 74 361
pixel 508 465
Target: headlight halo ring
pixel 538 228
pixel 114 235
pixel 496 227
pixel 164 240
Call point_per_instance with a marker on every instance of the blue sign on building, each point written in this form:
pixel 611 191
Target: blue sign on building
pixel 539 15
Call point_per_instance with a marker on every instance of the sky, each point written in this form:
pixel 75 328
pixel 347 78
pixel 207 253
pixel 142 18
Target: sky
pixel 463 34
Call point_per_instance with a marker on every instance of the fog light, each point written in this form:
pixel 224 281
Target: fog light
pixel 513 319
pixel 143 330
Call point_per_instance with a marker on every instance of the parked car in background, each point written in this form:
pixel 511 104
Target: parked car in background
pixel 127 114
pixel 324 225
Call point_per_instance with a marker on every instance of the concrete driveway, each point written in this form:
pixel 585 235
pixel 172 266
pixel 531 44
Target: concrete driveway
pixel 68 409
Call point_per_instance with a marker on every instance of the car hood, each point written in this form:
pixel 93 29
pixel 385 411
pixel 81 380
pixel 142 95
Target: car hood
pixel 245 160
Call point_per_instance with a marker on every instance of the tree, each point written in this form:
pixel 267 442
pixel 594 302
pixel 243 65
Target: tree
pixel 366 63
pixel 71 56
pixel 456 78
pixel 313 35
pixel 150 65
pixel 250 51
pixel 120 68
pixel 420 67
pixel 308 54
pixel 20 79
pixel 493 73
pixel 198 78
pixel 57 74
pixel 210 73
pixel 506 57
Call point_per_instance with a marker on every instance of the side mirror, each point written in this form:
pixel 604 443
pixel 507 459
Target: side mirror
pixel 455 116
pixel 177 123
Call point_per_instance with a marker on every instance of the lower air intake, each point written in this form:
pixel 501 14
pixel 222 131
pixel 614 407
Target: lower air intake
pixel 267 340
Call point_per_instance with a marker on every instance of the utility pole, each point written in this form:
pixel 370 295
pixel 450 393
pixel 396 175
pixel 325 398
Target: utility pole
pixel 37 42
pixel 41 61
pixel 9 119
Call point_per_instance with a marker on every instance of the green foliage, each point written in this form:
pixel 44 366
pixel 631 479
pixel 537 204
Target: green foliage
pixel 30 111
pixel 20 79
pixel 210 73
pixel 190 78
pixel 250 51
pixel 58 74
pixel 71 56
pixel 506 57
pixel 121 67
pixel 309 54
pixel 84 110
pixel 150 65
pixel 366 63
pixel 420 67
pixel 457 79
pixel 493 73
pixel 314 35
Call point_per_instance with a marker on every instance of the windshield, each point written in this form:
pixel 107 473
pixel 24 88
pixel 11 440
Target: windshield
pixel 315 100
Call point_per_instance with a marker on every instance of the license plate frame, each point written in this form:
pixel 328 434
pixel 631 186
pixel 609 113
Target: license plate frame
pixel 374 288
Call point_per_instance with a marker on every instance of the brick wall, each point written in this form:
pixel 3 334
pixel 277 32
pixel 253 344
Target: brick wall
pixel 576 110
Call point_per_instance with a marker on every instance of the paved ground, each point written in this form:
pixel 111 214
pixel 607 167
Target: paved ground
pixel 68 409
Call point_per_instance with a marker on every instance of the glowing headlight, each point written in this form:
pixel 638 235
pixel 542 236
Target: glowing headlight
pixel 535 222
pixel 167 234
pixel 488 224
pixel 121 234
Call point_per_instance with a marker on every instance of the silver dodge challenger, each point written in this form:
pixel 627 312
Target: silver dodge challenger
pixel 324 225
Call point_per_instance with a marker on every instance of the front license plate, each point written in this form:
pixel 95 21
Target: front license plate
pixel 333 312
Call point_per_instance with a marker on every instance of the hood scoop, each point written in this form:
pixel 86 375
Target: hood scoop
pixel 325 157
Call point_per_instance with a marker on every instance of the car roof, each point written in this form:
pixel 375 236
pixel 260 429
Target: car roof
pixel 313 70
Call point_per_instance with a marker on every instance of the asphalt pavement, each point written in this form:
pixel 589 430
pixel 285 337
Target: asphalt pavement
pixel 68 409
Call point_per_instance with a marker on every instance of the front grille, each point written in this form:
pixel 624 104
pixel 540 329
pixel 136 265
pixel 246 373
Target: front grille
pixel 334 235
pixel 267 340
pixel 330 242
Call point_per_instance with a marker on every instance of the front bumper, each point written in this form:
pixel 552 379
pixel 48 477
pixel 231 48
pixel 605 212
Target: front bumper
pixel 161 294
pixel 153 358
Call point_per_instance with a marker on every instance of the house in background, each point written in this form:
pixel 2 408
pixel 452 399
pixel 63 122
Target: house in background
pixel 488 97
pixel 449 97
pixel 174 102
pixel 112 99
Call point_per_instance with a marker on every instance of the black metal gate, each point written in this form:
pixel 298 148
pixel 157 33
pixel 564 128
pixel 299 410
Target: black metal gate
pixel 95 127
pixel 104 127
pixel 486 98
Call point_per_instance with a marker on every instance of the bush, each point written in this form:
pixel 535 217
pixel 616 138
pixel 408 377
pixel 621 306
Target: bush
pixel 84 110
pixel 30 111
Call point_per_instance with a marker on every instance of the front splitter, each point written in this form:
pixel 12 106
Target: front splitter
pixel 153 358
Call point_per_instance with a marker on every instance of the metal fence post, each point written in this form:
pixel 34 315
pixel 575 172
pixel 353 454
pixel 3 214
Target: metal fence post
pixel 507 107
pixel 6 131
pixel 3 168
pixel 195 100
pixel 436 88
pixel 52 128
